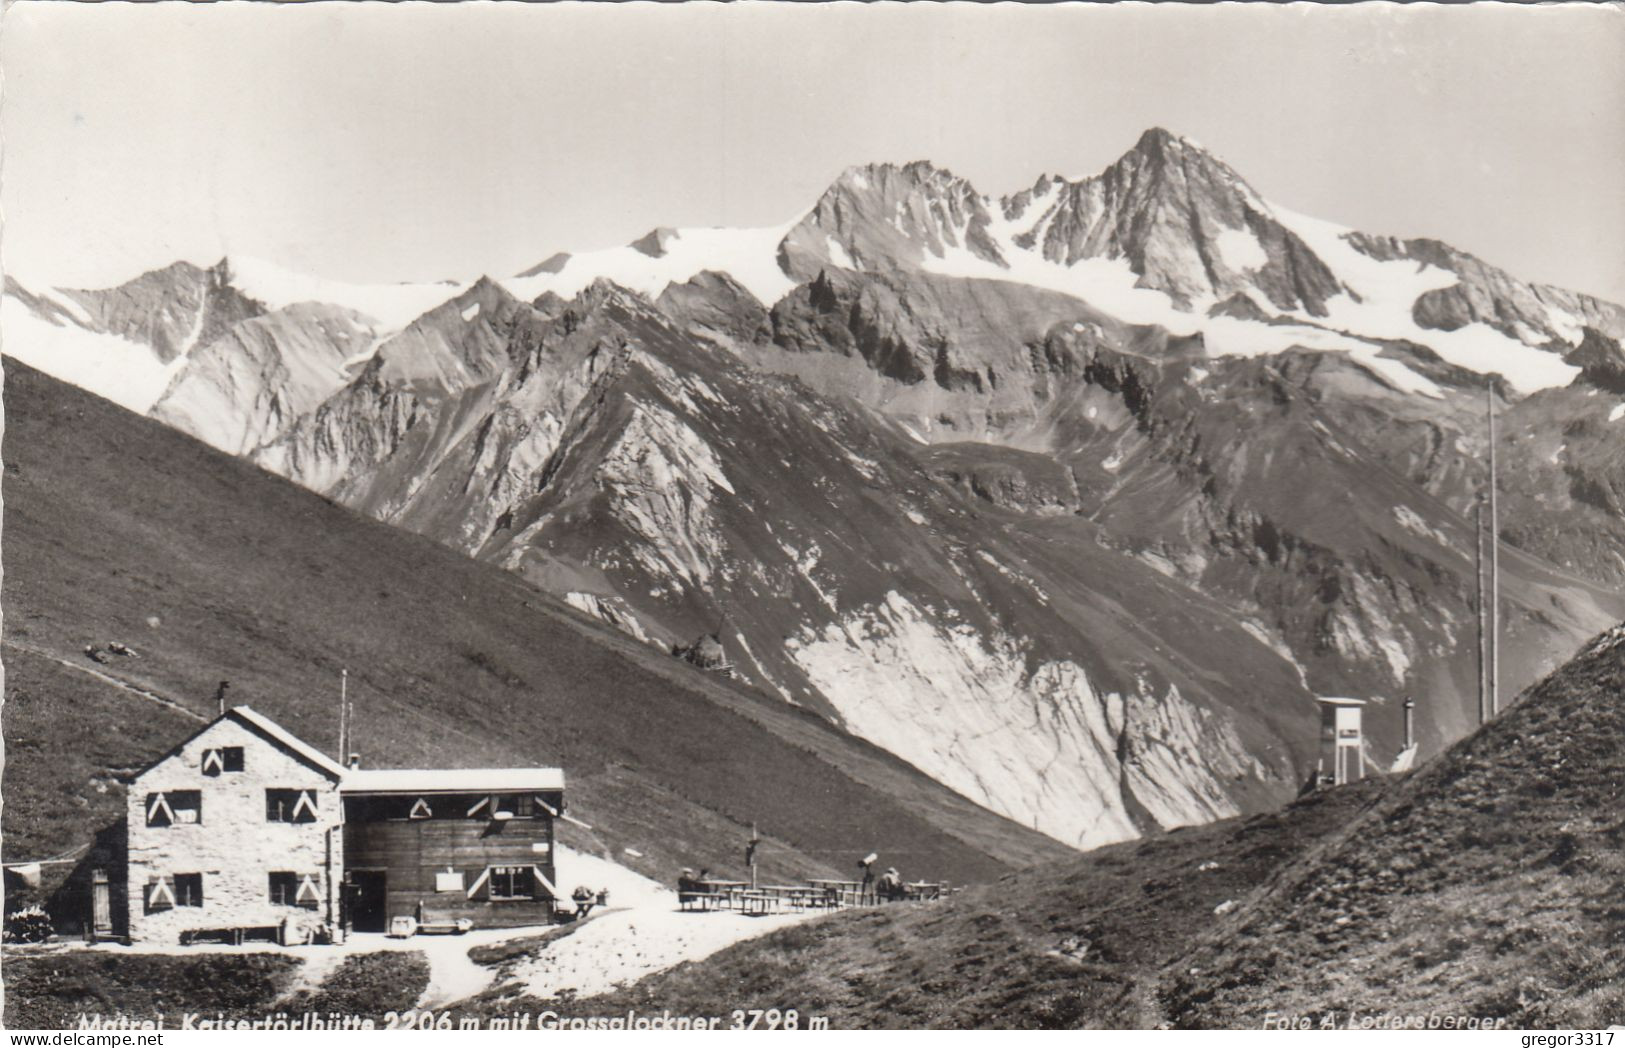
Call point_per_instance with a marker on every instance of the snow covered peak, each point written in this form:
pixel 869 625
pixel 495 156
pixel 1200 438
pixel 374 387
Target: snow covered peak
pixel 664 257
pixel 883 215
pixel 654 242
pixel 389 306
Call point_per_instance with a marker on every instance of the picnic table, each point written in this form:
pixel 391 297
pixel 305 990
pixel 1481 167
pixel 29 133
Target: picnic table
pixel 844 893
pixel 798 896
pixel 713 894
pixel 757 903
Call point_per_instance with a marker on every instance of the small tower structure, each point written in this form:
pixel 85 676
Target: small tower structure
pixel 1342 742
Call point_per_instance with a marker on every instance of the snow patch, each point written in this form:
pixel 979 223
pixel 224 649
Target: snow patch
pixel 750 256
pixel 472 311
pixel 1388 291
pixel 114 368
pixel 643 932
pixel 1617 414
pixel 392 306
pixel 1241 251
pixel 1412 521
pixel 611 610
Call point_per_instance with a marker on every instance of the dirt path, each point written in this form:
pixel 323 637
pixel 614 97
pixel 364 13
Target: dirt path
pixel 107 678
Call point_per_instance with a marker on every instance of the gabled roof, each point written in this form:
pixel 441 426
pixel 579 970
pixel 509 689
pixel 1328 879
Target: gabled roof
pixel 418 781
pixel 277 733
pixel 268 729
pixel 383 780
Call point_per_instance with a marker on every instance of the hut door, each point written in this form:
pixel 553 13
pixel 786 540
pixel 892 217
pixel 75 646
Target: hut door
pixel 101 905
pixel 368 901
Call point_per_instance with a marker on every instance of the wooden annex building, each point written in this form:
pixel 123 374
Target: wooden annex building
pixel 244 830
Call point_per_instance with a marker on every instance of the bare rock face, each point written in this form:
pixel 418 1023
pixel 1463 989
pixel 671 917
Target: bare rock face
pixel 247 386
pixel 882 214
pixel 1187 224
pixel 714 306
pixel 1601 361
pixel 170 309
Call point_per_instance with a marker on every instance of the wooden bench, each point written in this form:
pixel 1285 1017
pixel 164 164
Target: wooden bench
pixel 232 936
pixel 758 903
pixel 702 900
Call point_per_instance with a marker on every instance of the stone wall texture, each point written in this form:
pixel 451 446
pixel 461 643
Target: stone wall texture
pixel 233 845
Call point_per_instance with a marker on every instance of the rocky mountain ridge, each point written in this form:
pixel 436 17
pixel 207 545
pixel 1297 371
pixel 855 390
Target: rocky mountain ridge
pixel 1072 499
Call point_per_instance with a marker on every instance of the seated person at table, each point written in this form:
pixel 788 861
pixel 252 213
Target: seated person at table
pixel 891 885
pixel 690 887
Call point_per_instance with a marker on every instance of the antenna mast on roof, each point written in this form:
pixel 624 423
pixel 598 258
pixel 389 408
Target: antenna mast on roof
pixel 1483 631
pixel 1487 561
pixel 344 714
pixel 1494 670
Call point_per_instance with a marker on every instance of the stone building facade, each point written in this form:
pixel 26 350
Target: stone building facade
pixel 239 827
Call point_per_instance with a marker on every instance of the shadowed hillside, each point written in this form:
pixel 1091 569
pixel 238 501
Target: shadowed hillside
pixel 120 529
pixel 1487 883
pixel 1484 884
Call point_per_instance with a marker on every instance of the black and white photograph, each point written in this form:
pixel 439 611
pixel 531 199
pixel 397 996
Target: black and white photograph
pixel 812 516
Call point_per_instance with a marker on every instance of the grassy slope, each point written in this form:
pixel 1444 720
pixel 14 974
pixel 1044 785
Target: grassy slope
pixel 984 958
pixel 49 990
pixel 117 528
pixel 1486 884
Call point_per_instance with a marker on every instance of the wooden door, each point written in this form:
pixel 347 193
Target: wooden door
pixel 101 905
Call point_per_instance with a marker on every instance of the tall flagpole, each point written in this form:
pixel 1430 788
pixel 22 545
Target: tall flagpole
pixel 1483 632
pixel 1495 572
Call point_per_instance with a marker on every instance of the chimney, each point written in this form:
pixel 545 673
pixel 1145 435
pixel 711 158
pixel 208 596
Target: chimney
pixel 355 762
pixel 1410 705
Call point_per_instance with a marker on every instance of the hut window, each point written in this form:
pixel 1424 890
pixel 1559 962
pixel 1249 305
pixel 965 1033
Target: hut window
pixel 189 889
pixel 290 805
pixel 174 807
pixel 223 759
pixel 284 884
pixel 295 889
pixel 512 882
pixel 515 805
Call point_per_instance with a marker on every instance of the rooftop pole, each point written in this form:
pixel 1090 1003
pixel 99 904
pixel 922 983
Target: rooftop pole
pixel 1494 670
pixel 344 715
pixel 1483 632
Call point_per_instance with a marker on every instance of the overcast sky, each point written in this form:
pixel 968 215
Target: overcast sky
pixel 396 142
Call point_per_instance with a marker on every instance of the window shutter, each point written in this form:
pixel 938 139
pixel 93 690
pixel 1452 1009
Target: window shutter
pixel 213 763
pixel 421 810
pixel 160 894
pixel 308 896
pixel 306 804
pixel 159 812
